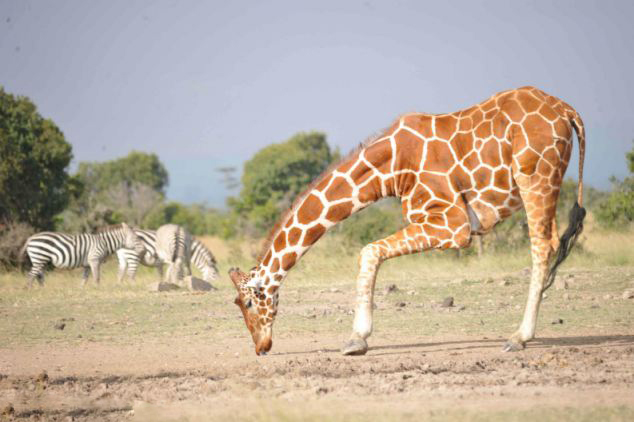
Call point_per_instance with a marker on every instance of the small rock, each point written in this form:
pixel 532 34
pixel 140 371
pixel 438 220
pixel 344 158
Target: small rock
pixel 412 292
pixel 8 410
pixel 628 294
pixel 447 302
pixel 42 377
pixel 335 290
pixel 461 308
pixel 59 325
pixel 162 287
pixel 339 320
pixel 566 296
pixel 557 321
pixel 607 297
pixel 197 285
pixel 504 282
pixel 489 280
pixel 401 304
pixel 322 390
pixel 391 289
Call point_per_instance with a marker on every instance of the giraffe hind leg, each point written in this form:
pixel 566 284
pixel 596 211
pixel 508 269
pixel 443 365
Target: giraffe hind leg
pixel 541 231
pixel 414 238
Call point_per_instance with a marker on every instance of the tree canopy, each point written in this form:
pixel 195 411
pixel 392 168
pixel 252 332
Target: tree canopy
pixel 137 167
pixel 277 173
pixel 124 189
pixel 34 182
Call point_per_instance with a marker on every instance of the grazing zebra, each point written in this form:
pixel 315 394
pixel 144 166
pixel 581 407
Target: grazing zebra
pixel 204 260
pixel 129 260
pixel 77 250
pixel 173 246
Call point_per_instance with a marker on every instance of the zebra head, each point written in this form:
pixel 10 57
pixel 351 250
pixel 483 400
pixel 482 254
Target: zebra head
pixel 131 240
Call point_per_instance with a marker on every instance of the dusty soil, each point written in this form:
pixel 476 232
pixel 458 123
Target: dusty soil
pixel 127 354
pixel 196 381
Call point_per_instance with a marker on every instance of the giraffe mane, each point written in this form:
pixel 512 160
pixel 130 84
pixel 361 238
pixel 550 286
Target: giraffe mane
pixel 283 219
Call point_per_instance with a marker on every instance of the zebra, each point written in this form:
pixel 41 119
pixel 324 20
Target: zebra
pixel 77 250
pixel 204 260
pixel 129 260
pixel 173 246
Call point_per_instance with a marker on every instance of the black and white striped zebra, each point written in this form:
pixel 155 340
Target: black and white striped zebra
pixel 77 250
pixel 129 260
pixel 204 260
pixel 173 246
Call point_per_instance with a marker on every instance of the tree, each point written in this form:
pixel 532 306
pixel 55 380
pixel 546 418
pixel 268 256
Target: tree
pixel 136 167
pixel 34 182
pixel 618 208
pixel 276 174
pixel 125 189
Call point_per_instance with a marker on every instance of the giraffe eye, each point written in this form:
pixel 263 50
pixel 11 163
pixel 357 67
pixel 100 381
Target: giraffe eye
pixel 248 303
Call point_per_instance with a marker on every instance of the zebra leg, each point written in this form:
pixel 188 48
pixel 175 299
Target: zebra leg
pixel 159 269
pixel 84 276
pixel 36 273
pixel 94 268
pixel 167 276
pixel 123 265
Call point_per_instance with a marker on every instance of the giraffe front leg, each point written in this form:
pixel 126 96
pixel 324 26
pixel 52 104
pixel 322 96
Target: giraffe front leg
pixel 369 263
pixel 414 238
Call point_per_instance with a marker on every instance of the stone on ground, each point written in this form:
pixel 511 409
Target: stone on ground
pixel 197 285
pixel 160 286
pixel 448 302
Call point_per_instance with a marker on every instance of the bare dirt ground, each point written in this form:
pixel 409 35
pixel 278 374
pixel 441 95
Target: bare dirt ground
pixel 127 354
pixel 433 377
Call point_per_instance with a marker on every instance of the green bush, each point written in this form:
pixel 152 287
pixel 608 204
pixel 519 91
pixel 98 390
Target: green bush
pixel 374 223
pixel 34 157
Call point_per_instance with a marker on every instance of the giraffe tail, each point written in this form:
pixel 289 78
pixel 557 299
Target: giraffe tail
pixel 577 213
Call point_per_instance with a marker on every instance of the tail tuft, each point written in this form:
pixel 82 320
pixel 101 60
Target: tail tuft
pixel 567 241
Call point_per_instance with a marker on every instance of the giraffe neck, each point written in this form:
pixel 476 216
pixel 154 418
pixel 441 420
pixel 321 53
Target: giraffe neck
pixel 350 186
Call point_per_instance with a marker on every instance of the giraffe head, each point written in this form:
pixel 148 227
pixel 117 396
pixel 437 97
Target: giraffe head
pixel 258 304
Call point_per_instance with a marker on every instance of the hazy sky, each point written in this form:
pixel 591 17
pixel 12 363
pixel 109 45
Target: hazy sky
pixel 206 84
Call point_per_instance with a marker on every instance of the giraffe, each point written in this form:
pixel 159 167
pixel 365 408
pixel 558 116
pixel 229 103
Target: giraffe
pixel 457 175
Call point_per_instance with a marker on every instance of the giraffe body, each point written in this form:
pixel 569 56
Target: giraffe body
pixel 456 174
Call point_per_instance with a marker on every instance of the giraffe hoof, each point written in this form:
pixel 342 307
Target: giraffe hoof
pixel 355 347
pixel 513 346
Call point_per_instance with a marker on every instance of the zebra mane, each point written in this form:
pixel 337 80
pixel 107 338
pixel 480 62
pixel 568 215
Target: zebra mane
pixel 109 228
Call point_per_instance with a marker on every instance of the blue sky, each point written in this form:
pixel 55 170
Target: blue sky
pixel 207 84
